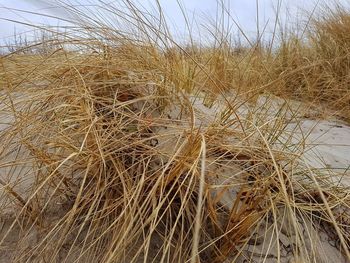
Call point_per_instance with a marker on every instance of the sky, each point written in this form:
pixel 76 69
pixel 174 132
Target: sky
pixel 243 12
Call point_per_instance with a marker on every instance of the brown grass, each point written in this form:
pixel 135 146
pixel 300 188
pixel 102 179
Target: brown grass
pixel 108 155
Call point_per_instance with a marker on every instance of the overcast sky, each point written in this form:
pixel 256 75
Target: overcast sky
pixel 243 11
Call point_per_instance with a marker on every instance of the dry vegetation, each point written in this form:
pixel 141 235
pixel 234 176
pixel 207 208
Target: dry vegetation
pixel 128 147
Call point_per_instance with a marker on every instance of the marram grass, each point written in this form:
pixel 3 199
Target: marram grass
pixel 129 147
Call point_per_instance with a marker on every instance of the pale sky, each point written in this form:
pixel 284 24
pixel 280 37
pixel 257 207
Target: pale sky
pixel 242 11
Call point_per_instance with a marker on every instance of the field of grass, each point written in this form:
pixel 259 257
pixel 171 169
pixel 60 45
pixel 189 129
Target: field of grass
pixel 118 144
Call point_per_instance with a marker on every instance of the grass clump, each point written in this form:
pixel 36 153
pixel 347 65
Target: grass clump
pixel 125 146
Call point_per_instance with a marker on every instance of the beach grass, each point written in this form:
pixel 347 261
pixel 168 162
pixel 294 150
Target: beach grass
pixel 122 144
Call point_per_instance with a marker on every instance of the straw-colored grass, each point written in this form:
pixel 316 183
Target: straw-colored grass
pixel 121 147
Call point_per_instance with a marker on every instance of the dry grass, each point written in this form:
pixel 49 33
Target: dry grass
pixel 132 148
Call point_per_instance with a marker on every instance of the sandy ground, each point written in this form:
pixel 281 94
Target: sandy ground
pixel 328 148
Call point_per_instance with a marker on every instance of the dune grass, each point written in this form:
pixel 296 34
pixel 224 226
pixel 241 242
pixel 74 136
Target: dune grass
pixel 121 145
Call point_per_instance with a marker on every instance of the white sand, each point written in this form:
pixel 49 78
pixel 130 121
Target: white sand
pixel 328 144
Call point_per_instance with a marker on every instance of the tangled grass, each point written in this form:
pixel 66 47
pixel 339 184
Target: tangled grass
pixel 129 147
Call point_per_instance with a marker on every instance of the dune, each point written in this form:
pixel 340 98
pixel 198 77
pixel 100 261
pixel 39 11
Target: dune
pixel 119 144
pixel 326 149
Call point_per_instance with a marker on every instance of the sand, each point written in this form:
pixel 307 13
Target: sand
pixel 327 144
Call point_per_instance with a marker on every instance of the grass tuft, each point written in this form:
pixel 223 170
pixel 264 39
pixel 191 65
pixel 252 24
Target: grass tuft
pixel 120 144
